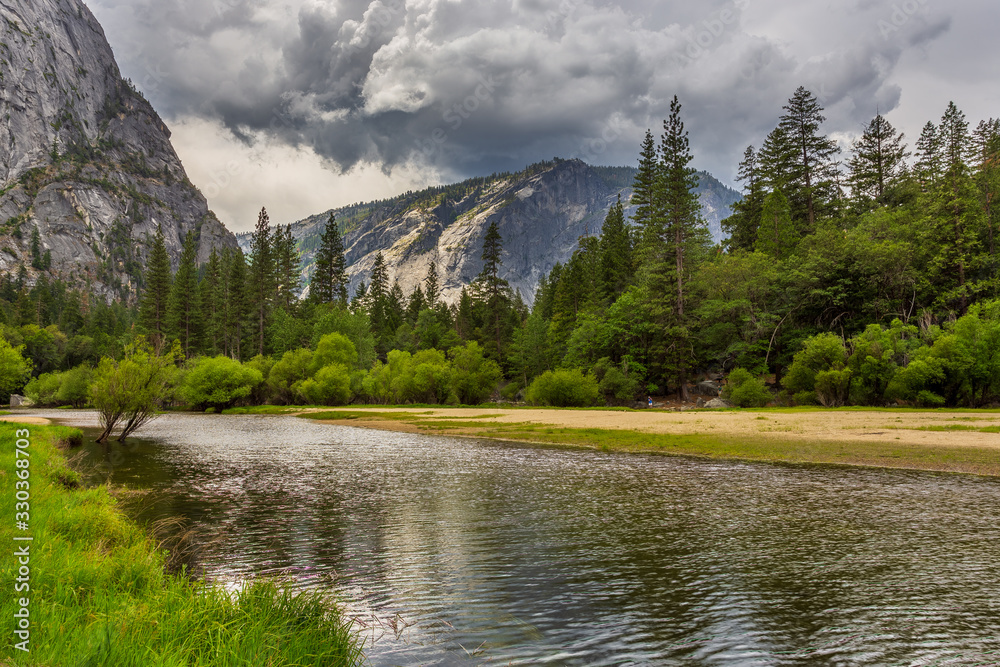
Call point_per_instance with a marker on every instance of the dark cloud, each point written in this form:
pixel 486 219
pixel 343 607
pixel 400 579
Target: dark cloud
pixel 468 86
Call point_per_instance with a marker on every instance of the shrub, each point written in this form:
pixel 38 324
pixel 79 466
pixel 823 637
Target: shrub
pixel 430 377
pixel 14 369
pixel 43 389
pixel 330 386
pixel 218 382
pixel 563 388
pixel 334 348
pixel 823 352
pixel 74 386
pixel 833 387
pixel 474 377
pixel 293 367
pixel 745 390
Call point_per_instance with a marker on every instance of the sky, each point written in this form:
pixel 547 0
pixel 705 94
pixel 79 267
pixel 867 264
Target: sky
pixel 306 105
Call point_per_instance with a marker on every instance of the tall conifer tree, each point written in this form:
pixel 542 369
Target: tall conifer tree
pixel 329 281
pixel 184 312
pixel 878 160
pixel 616 263
pixel 156 295
pixel 261 277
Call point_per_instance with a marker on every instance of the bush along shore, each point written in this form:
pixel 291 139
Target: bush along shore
pixel 92 587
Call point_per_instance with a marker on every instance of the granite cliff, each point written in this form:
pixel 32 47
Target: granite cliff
pixel 84 158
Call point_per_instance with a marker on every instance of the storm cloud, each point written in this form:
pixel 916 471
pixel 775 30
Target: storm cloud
pixel 431 90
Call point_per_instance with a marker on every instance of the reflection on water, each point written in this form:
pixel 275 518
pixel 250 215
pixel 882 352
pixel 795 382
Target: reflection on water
pixel 462 552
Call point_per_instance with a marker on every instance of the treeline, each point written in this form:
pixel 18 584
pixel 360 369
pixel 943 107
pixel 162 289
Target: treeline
pixel 867 279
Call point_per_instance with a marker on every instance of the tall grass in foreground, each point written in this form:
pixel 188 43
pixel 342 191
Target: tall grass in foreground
pixel 100 594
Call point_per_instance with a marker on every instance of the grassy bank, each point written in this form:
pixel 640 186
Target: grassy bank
pixel 99 593
pixel 767 436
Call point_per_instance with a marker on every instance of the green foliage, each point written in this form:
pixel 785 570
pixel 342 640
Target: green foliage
pixel 620 383
pixel 335 348
pixel 43 389
pixel 156 294
pixel 14 369
pixel 218 382
pixel 126 392
pixel 287 373
pixel 74 386
pixel 563 388
pixel 745 390
pixel 820 353
pixel 331 385
pixel 474 377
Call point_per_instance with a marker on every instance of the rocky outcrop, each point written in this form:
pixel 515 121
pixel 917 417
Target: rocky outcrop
pixel 84 158
pixel 541 213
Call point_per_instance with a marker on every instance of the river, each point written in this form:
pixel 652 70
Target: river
pixel 452 551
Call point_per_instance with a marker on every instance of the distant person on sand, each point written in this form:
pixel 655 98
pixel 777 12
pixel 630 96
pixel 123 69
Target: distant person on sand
pixel 650 399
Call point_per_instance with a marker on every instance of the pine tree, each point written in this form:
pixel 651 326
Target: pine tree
pixel 956 214
pixel 261 277
pixel 432 291
pixel 36 249
pixel 360 300
pixel 288 268
pixel 809 181
pixel 987 165
pixel 742 225
pixel 416 303
pixel 211 296
pixel 377 302
pixel 183 312
pixel 644 185
pixel 329 281
pixel 776 235
pixel 616 262
pixel 878 160
pixel 673 242
pixel 396 307
pixel 493 291
pixel 156 294
pixel 928 166
pixel 237 304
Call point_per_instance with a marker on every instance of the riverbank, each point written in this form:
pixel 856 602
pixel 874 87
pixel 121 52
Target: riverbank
pixel 946 441
pixel 98 591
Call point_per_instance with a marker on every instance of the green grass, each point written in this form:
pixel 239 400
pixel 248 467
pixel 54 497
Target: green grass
pixel 101 595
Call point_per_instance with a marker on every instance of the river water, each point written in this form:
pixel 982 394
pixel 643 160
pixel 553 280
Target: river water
pixel 455 551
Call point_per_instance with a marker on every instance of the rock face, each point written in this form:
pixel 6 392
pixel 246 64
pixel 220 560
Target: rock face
pixel 541 213
pixel 85 159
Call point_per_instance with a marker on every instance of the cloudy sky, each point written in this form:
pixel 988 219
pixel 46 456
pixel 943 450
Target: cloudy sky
pixel 304 105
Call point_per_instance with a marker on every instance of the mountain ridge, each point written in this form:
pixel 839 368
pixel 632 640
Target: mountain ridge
pixel 541 212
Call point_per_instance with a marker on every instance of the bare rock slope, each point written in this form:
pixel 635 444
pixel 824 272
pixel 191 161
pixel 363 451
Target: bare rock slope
pixel 84 158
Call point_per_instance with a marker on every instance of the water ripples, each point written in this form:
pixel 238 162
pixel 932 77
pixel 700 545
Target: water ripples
pixel 461 552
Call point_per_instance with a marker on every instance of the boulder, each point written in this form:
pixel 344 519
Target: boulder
pixel 18 401
pixel 718 403
pixel 708 388
pixel 700 402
